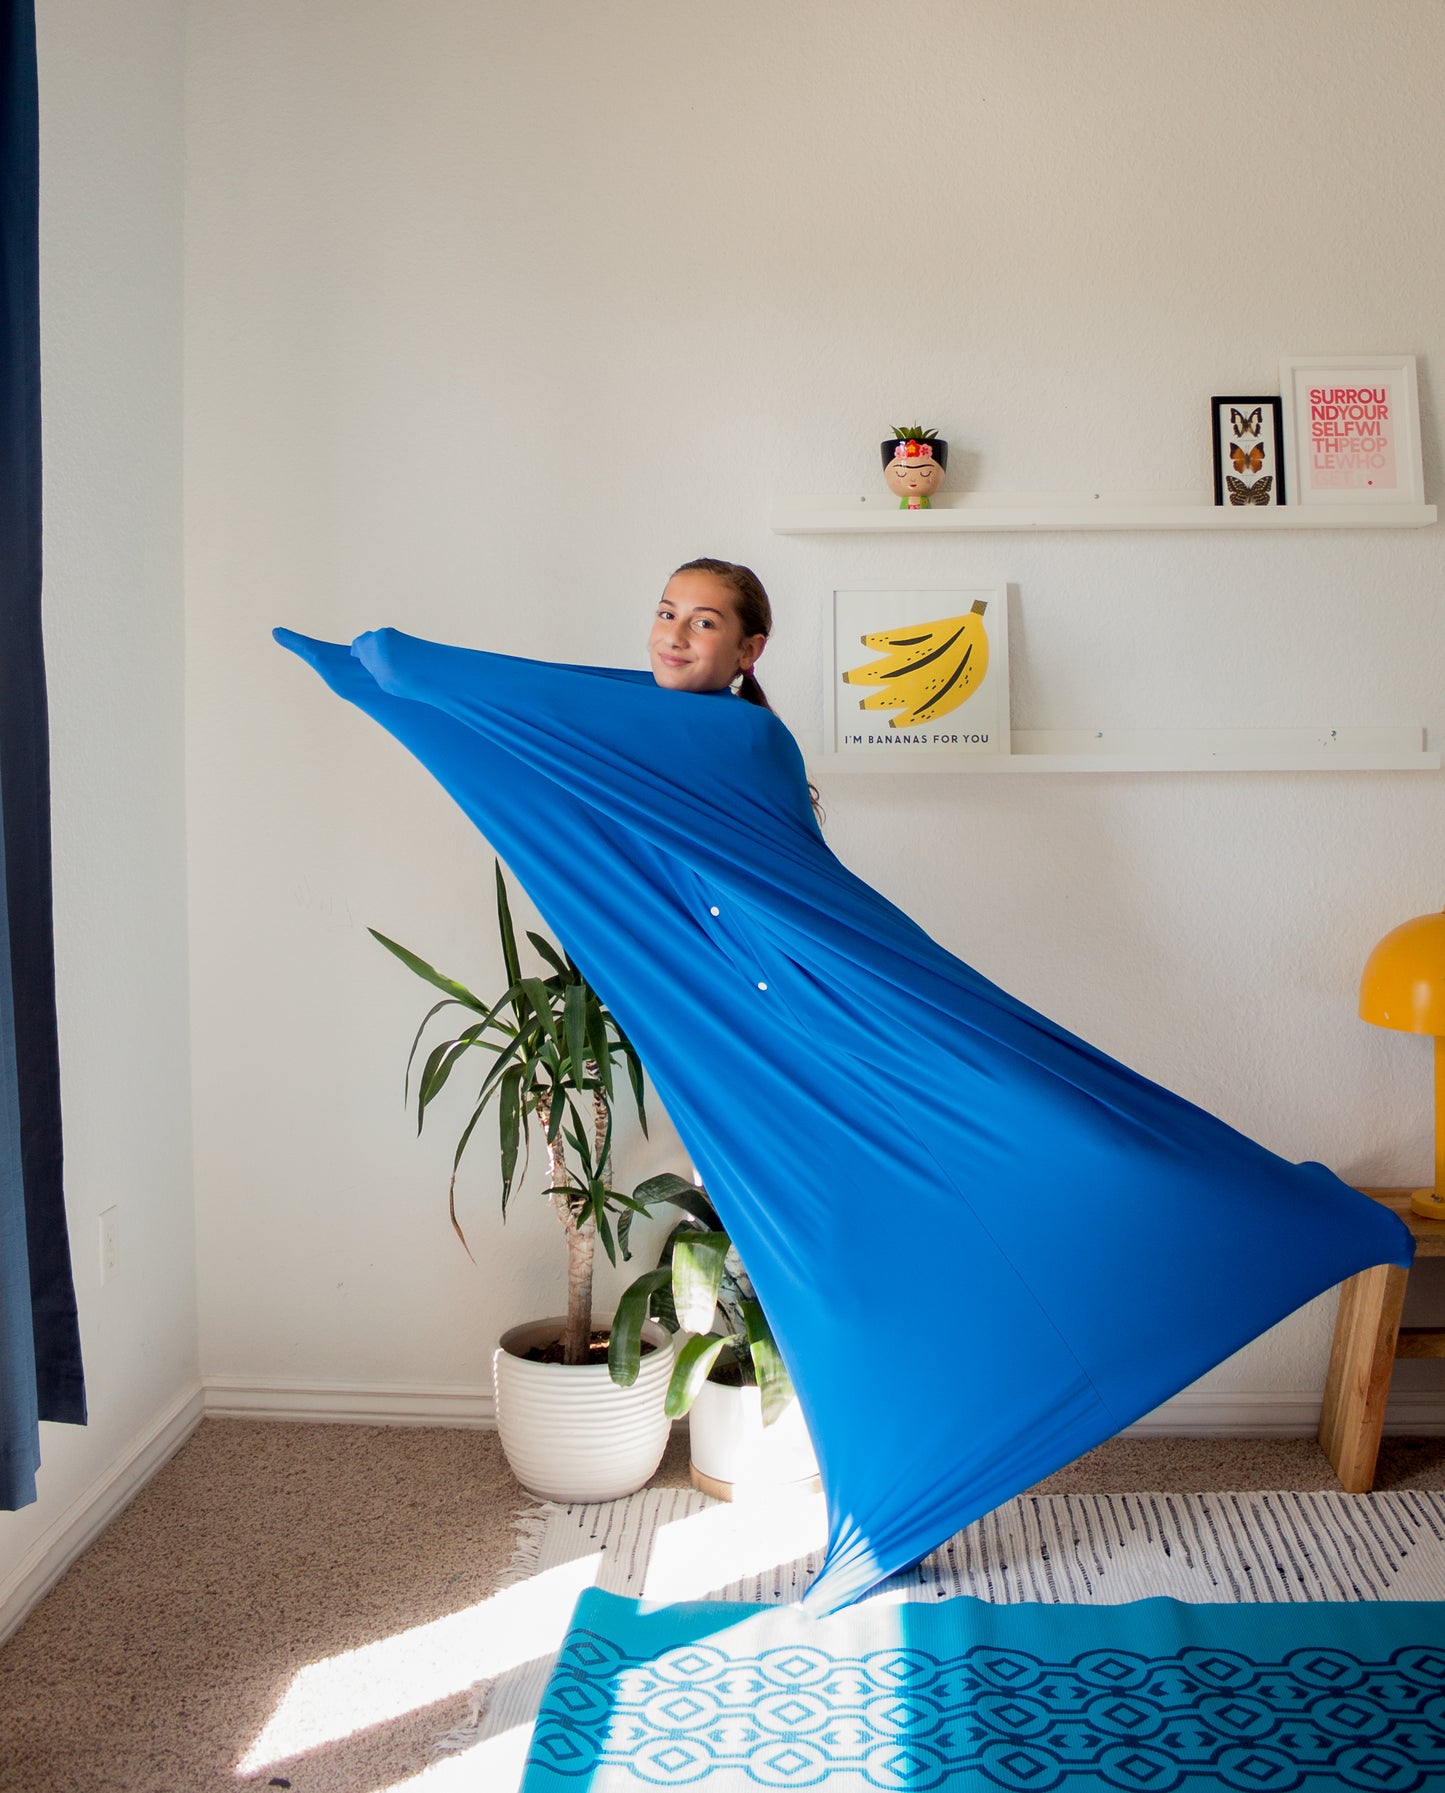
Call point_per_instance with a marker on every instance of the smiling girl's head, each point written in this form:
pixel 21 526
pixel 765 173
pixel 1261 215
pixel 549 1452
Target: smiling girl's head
pixel 713 620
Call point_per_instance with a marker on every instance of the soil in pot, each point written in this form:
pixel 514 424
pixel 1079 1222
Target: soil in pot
pixel 596 1350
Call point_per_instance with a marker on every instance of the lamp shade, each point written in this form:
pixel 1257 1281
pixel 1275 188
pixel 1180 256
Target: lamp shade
pixel 1403 983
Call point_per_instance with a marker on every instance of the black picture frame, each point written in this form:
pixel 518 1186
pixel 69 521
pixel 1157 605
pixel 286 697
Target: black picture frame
pixel 1247 435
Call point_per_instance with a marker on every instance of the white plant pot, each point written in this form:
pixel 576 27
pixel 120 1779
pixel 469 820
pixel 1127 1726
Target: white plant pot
pixel 735 1456
pixel 569 1431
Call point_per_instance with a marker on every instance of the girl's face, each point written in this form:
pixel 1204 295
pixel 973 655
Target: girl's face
pixel 697 642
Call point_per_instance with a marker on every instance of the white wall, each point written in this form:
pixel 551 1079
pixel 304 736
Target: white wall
pixel 689 257
pixel 111 218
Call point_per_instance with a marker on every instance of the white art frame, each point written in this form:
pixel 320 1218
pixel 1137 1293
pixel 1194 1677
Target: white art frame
pixel 976 727
pixel 1360 450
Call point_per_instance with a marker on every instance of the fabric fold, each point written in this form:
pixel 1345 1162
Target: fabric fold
pixel 886 1133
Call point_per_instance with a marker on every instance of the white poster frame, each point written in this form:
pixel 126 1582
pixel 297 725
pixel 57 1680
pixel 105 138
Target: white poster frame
pixel 843 651
pixel 1298 374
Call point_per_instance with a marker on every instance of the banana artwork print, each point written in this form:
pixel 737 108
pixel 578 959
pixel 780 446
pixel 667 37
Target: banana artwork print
pixel 927 669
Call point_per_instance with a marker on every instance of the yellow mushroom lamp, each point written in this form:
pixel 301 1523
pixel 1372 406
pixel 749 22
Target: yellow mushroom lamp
pixel 1403 986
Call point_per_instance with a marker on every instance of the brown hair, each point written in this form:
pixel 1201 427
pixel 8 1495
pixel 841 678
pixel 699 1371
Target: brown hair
pixel 750 602
pixel 755 614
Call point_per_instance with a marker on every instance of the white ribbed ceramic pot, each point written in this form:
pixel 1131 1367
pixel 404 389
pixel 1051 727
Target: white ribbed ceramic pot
pixel 569 1431
pixel 735 1455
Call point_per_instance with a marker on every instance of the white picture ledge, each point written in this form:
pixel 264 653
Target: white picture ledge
pixel 1162 750
pixel 997 511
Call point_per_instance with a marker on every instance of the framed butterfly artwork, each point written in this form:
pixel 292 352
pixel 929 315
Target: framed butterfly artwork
pixel 1248 452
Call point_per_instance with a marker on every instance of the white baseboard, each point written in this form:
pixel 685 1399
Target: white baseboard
pixel 1197 1413
pixel 348 1403
pixel 1263 1413
pixel 86 1518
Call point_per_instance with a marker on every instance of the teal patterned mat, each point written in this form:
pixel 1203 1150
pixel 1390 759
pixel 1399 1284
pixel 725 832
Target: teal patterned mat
pixel 904 1696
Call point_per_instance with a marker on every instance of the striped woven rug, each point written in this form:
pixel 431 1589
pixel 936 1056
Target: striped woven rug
pixel 1072 1549
pixel 1065 1549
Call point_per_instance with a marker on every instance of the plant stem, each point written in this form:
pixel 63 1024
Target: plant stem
pixel 599 1131
pixel 580 1243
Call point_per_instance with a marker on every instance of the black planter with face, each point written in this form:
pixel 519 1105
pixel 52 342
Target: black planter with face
pixel 914 468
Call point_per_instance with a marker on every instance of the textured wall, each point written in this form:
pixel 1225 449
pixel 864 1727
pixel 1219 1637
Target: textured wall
pixel 111 120
pixel 495 314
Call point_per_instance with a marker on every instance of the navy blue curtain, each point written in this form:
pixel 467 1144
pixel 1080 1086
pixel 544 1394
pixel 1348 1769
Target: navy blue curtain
pixel 40 1370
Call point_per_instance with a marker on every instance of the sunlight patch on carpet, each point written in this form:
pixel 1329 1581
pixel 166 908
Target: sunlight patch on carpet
pixel 350 1692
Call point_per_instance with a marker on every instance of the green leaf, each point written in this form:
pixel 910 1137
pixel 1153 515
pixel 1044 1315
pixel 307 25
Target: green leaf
pixel 663 1309
pixel 549 952
pixel 452 1185
pixel 774 1384
pixel 434 1078
pixel 604 1152
pixel 689 1373
pixel 697 1267
pixel 604 1225
pixel 628 1209
pixel 457 992
pixel 538 995
pixel 576 1136
pixel 574 1022
pixel 509 1127
pixel 506 930
pixel 634 1072
pixel 624 1347
pixel 669 1187
pixel 434 1058
pixel 598 1045
pixel 434 1010
pixel 514 1049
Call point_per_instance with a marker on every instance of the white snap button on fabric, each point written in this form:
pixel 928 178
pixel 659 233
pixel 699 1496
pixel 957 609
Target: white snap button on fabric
pixel 762 986
pixel 714 911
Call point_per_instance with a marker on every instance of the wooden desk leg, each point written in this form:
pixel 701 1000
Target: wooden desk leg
pixel 1361 1362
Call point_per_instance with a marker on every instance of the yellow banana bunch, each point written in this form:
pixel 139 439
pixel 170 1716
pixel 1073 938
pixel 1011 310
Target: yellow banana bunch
pixel 927 669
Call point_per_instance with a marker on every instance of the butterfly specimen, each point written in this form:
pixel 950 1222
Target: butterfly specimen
pixel 1240 493
pixel 1246 423
pixel 1247 460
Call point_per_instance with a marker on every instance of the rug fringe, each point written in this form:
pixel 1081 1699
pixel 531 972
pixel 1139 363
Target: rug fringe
pixel 529 1525
pixel 464 1735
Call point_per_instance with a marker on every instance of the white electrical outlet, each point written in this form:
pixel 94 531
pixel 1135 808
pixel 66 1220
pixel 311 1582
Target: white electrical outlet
pixel 108 1261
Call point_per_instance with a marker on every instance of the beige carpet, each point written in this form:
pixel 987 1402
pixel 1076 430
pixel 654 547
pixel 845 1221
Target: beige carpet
pixel 223 1606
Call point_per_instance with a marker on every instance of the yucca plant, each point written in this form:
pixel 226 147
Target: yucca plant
pixel 701 1288
pixel 553 1051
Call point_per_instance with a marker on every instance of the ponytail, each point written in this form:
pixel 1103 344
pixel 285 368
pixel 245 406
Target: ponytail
pixel 753 693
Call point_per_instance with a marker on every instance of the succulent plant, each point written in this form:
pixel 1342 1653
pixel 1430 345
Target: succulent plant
pixel 915 433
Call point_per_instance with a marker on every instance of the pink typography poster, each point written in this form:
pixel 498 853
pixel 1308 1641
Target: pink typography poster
pixel 1352 437
pixel 1353 429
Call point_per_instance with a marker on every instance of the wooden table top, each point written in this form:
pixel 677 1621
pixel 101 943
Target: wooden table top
pixel 1429 1234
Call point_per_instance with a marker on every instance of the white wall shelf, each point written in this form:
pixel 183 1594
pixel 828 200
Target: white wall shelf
pixel 984 511
pixel 1162 750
